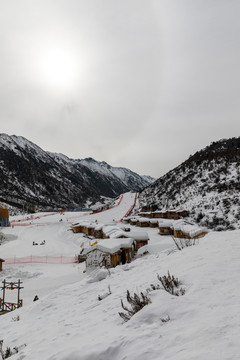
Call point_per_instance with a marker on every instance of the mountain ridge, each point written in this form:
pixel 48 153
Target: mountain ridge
pixel 37 178
pixel 207 184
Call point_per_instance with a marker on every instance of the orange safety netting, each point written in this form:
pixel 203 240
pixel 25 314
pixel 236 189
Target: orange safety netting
pixel 42 260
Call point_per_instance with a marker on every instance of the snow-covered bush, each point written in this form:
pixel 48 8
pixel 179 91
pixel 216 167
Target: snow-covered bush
pixel 171 284
pixel 137 303
pixel 97 275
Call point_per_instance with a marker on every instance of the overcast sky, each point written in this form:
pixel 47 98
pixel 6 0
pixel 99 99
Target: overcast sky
pixel 136 83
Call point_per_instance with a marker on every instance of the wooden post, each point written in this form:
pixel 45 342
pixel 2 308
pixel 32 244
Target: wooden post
pixel 4 286
pixel 18 291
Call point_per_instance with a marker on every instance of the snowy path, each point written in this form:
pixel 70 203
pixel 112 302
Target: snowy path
pixel 122 206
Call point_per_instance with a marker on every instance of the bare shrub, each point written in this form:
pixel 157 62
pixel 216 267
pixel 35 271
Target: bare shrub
pixel 9 352
pixel 16 318
pixel 137 303
pixel 183 243
pixel 171 284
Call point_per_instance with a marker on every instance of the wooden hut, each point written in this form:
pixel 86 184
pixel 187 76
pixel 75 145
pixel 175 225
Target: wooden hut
pixel 110 253
pixel 159 214
pixel 165 230
pixel 1 262
pixel 133 221
pixel 143 223
pixel 109 231
pixel 126 220
pixel 153 223
pixel 188 231
pixel 98 232
pixel 173 214
pixel 165 227
pixel 145 214
pixel 183 213
pixel 77 228
pixel 140 237
pixel 90 230
pixel 4 217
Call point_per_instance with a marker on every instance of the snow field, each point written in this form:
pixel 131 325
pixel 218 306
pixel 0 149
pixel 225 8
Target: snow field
pixel 68 322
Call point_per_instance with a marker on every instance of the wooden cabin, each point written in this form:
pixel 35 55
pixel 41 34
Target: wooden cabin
pixel 109 231
pixel 153 223
pixel 183 213
pixel 188 231
pixel 77 228
pixel 143 223
pixel 110 253
pixel 173 214
pixel 140 238
pixel 145 214
pixel 1 262
pixel 133 221
pixel 4 217
pixel 165 230
pixel 126 220
pixel 165 227
pixel 98 232
pixel 159 215
pixel 90 230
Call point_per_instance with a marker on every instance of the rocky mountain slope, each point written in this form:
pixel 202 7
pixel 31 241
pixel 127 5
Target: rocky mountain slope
pixel 30 176
pixel 207 184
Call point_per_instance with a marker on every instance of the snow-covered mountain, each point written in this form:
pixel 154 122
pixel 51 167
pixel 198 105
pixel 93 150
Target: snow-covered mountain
pixel 207 184
pixel 31 176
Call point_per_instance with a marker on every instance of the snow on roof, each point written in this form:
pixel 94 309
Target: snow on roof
pixel 166 223
pixel 111 246
pixel 191 230
pixel 143 220
pixel 109 229
pixel 138 235
pixel 118 233
pixel 99 227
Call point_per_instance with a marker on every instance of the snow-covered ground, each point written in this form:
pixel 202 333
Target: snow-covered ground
pixel 68 322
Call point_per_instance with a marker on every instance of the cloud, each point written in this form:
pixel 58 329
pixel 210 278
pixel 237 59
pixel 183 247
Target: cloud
pixel 154 80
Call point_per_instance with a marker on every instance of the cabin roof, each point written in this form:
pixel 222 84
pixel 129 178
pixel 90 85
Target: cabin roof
pixel 191 230
pixel 110 246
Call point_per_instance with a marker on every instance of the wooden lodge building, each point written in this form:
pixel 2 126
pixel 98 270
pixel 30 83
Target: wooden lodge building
pixel 168 214
pixel 109 253
pixel 188 231
pixel 143 223
pixel 4 217
pixel 1 262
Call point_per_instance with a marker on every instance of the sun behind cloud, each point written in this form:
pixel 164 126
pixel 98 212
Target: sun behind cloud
pixel 58 68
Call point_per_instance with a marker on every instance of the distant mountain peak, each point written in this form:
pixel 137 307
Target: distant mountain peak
pixel 34 177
